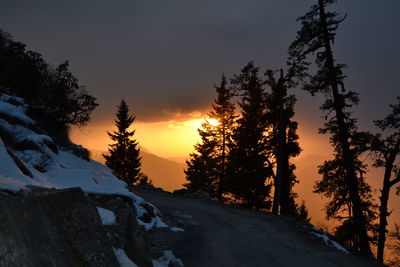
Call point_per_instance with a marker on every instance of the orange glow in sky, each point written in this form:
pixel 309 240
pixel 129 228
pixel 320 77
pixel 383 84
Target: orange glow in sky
pixel 166 139
pixel 175 138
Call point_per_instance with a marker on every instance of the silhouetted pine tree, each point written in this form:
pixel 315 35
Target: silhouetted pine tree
pixel 283 141
pixel 315 38
pixel 202 167
pixel 208 167
pixel 386 149
pixel 223 113
pixel 124 159
pixel 334 186
pixel 248 180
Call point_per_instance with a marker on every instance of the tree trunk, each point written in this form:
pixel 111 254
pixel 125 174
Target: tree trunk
pixel 223 159
pixel 383 215
pixel 283 165
pixel 343 135
pixel 384 198
pixel 280 153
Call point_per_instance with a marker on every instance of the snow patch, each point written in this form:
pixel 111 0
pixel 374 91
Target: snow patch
pixel 156 222
pixel 15 111
pixel 183 215
pixel 329 242
pixel 107 216
pixel 123 259
pixel 177 229
pixel 166 259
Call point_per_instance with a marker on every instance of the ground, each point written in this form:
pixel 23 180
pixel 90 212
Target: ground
pixel 219 235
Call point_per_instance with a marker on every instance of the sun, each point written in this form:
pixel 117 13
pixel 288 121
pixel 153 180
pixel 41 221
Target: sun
pixel 213 122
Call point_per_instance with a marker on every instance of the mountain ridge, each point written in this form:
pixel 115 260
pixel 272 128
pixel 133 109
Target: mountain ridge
pixel 165 173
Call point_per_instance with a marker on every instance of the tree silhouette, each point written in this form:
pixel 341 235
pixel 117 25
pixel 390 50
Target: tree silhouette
pixel 124 159
pixel 207 168
pixel 202 167
pixel 223 113
pixel 282 140
pixel 315 38
pixel 248 180
pixel 386 149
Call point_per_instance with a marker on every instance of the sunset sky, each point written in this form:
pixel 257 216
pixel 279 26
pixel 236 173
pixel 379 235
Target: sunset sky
pixel 163 58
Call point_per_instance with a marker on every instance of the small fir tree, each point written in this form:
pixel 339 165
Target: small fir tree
pixel 124 159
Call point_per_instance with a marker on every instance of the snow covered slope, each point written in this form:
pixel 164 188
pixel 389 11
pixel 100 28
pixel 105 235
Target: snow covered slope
pixel 29 157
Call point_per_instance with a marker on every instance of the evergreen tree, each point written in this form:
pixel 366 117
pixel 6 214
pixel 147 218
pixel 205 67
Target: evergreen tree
pixel 248 180
pixel 202 167
pixel 315 38
pixel 208 167
pixel 333 185
pixel 386 149
pixel 223 113
pixel 283 141
pixel 124 159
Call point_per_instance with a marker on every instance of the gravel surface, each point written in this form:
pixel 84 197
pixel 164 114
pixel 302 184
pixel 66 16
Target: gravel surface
pixel 218 235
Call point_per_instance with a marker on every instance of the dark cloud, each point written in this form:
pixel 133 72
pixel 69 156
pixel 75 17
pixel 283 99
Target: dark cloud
pixel 165 55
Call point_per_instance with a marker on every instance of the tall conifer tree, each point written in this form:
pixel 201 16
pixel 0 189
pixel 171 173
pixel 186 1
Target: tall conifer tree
pixel 207 167
pixel 316 37
pixel 124 159
pixel 283 141
pixel 386 149
pixel 202 167
pixel 223 113
pixel 248 158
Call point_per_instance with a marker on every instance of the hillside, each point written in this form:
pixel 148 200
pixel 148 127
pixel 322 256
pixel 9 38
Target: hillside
pixel 165 173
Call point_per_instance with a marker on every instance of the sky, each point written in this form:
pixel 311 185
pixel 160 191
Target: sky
pixel 163 57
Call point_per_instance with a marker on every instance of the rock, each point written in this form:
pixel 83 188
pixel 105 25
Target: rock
pixel 52 228
pixel 180 192
pixel 126 233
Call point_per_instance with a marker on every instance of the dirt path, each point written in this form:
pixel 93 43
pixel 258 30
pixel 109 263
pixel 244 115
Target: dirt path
pixel 216 235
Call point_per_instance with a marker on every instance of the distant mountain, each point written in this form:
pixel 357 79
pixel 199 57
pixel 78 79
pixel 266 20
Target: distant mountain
pixel 178 159
pixel 165 173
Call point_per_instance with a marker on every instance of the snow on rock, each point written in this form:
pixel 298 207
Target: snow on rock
pixel 167 259
pixel 123 259
pixel 176 229
pixel 107 216
pixel 329 242
pixel 14 107
pixel 156 222
pixel 54 168
pixel 183 215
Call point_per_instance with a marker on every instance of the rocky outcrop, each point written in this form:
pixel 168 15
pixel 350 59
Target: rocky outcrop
pixel 125 233
pixel 45 227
